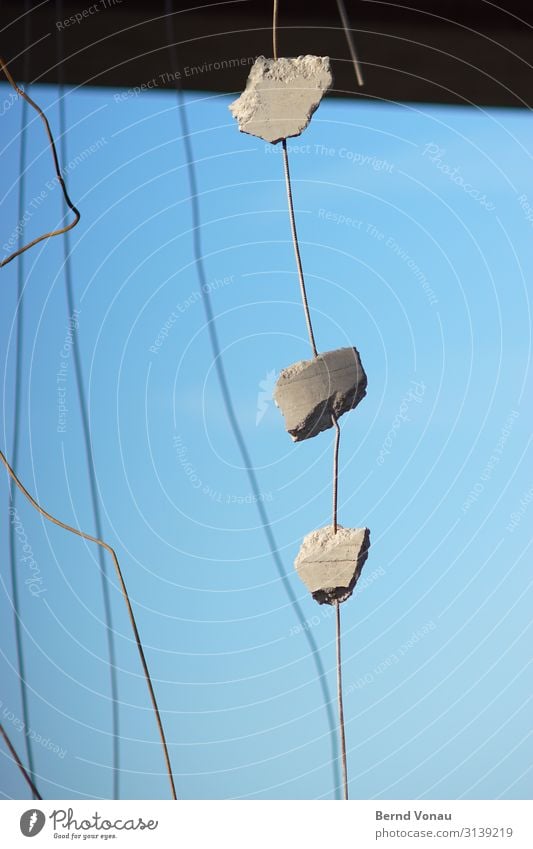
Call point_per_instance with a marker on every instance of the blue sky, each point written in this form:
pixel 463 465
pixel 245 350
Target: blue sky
pixel 417 249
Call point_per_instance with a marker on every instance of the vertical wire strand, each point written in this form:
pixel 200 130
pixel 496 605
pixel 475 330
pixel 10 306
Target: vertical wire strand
pixel 275 29
pixel 351 43
pixel 226 395
pixel 340 702
pixel 22 768
pixel 89 457
pixel 17 403
pixel 303 290
pixel 290 204
pixel 334 421
pixel 336 446
pixel 127 601
pixel 296 245
pixel 360 81
pixel 308 321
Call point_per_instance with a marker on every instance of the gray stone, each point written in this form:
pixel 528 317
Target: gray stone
pixel 310 391
pixel 330 563
pixel 281 96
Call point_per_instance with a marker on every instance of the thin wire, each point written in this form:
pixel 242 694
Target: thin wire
pixel 335 468
pixel 333 417
pixel 297 248
pixel 124 591
pixel 309 323
pixel 351 44
pixel 291 204
pixel 69 203
pixel 19 346
pixel 88 446
pixel 24 771
pixel 275 30
pixel 226 395
pixel 303 290
pixel 340 703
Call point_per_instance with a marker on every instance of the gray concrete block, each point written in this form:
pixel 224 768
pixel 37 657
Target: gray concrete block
pixel 309 391
pixel 281 96
pixel 329 564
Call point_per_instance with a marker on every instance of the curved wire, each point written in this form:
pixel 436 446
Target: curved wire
pixel 17 393
pixel 69 203
pixel 69 290
pixel 124 591
pixel 24 771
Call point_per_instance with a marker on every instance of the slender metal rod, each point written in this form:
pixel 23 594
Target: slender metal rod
pixel 19 763
pixel 340 703
pixel 297 248
pixel 315 354
pixel 305 303
pixel 211 319
pixel 59 177
pixel 336 446
pixel 275 30
pixel 131 615
pixel 351 44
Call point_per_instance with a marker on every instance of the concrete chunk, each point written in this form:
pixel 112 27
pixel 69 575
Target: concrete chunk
pixel 309 391
pixel 281 96
pixel 329 564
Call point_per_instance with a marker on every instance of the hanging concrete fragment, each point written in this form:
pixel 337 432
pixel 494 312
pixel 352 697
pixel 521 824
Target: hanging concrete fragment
pixel 309 391
pixel 281 96
pixel 330 563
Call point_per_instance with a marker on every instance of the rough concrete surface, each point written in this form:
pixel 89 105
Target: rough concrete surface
pixel 281 96
pixel 309 391
pixel 329 564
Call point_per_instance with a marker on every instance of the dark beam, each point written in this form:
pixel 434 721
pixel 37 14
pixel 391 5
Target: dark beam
pixel 470 52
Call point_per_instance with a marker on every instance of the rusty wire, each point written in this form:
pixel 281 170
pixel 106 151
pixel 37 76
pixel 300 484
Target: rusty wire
pixel 19 763
pixel 126 597
pixel 69 203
